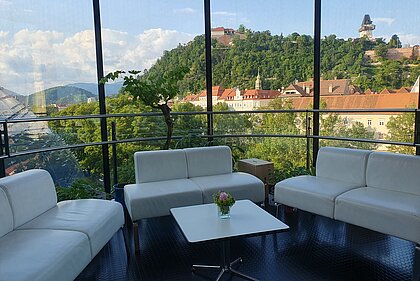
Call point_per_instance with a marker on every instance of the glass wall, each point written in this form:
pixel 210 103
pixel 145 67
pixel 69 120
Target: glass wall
pixel 160 39
pixel 370 60
pixel 262 58
pixel 47 64
pixel 259 49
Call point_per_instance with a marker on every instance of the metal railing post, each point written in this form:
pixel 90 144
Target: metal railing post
pixel 114 150
pixel 308 133
pixel 4 148
pixel 417 130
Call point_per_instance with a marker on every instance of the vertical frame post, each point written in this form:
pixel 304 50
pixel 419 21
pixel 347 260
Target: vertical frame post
pixel 4 148
pixel 101 93
pixel 209 82
pixel 317 77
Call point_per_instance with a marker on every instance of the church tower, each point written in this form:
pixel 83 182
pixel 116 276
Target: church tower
pixel 366 28
pixel 258 82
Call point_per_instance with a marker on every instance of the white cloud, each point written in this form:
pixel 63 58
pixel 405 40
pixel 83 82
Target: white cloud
pixel 32 60
pixel 223 13
pixel 387 21
pixel 412 39
pixel 3 34
pixel 184 11
pixel 5 4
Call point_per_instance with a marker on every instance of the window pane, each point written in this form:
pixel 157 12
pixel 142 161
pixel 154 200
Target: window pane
pixel 259 50
pixel 370 60
pixel 47 64
pixel 156 38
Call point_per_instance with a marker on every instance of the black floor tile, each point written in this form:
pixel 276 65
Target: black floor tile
pixel 315 248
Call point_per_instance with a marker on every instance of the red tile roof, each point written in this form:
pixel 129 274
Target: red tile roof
pixel 378 101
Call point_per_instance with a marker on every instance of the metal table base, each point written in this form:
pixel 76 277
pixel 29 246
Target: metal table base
pixel 226 266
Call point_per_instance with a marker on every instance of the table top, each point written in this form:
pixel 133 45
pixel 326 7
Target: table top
pixel 201 222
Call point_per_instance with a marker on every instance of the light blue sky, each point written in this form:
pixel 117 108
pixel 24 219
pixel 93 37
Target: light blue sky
pixel 47 43
pixel 134 16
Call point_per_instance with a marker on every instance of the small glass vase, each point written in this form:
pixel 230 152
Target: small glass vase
pixel 223 211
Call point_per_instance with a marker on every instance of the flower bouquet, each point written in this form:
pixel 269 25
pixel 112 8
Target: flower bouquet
pixel 224 201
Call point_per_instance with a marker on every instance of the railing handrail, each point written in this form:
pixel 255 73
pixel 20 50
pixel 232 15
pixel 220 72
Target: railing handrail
pixel 178 113
pixel 8 154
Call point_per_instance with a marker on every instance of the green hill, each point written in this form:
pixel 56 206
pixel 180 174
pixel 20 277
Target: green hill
pixel 282 60
pixel 63 95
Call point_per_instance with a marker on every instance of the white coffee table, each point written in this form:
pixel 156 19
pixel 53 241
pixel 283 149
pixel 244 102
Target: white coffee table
pixel 201 223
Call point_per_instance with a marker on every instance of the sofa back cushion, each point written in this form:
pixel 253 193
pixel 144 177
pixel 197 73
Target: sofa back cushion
pixel 160 165
pixel 30 194
pixel 209 161
pixel 392 171
pixel 6 215
pixel 342 164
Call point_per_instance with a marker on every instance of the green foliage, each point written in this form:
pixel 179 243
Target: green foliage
pixel 333 125
pixel 381 51
pixel 230 123
pixel 81 189
pixel 394 42
pixel 152 90
pixel 401 129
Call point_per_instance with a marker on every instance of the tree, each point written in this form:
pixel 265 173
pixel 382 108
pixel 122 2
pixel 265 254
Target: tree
pixel 381 51
pixel 153 91
pixel 241 28
pixel 401 129
pixel 394 42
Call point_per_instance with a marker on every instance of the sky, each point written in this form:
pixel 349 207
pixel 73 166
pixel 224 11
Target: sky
pixel 49 43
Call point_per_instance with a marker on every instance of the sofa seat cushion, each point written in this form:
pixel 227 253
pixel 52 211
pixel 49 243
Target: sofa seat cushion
pixel 98 219
pixel 43 254
pixel 312 194
pixel 154 199
pixel 240 185
pixel 389 212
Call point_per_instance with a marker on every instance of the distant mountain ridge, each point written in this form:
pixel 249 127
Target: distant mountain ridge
pixel 64 95
pixel 110 89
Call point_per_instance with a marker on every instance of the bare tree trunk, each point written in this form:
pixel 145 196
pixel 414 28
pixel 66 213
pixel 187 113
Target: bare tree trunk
pixel 166 110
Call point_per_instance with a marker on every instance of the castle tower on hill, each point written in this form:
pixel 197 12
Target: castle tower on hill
pixel 366 28
pixel 258 82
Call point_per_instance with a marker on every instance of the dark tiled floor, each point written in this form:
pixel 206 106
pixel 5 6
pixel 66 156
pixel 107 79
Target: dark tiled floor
pixel 315 248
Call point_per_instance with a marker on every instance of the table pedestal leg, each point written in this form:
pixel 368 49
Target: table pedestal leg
pixel 226 266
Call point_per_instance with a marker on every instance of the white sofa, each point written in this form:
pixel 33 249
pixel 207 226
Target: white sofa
pixel 41 239
pixel 376 190
pixel 167 179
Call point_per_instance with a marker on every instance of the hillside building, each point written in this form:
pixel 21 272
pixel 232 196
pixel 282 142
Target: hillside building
pixel 335 94
pixel 225 35
pixel 411 53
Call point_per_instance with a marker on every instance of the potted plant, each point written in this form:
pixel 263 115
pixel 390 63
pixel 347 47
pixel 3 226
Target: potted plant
pixel 224 202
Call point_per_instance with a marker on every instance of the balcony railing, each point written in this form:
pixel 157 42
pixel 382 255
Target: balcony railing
pixel 6 150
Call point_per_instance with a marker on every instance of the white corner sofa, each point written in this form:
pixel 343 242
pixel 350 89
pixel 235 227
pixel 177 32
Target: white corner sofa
pixel 167 179
pixel 43 240
pixel 375 190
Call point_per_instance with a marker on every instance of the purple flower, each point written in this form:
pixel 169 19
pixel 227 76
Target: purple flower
pixel 223 196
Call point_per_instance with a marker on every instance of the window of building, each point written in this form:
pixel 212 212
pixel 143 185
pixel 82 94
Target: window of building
pixel 381 122
pixel 369 122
